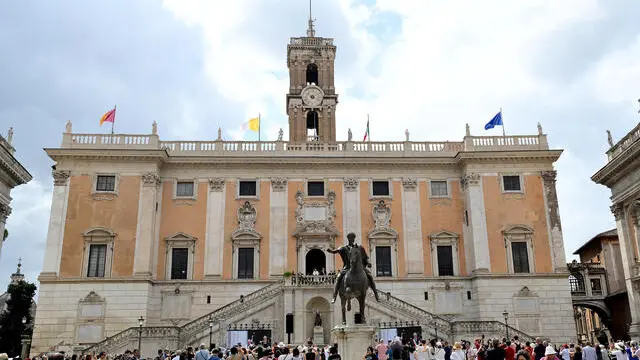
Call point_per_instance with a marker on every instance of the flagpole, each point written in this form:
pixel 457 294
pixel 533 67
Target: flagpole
pixel 502 118
pixel 259 121
pixel 114 118
pixel 368 129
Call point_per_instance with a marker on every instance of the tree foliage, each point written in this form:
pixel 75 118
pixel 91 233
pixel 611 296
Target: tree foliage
pixel 18 306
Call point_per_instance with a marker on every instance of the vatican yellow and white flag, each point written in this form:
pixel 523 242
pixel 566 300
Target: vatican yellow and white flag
pixel 252 124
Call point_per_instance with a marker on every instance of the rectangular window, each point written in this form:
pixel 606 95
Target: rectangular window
pixel 426 295
pixel 380 188
pixel 520 257
pixel 383 261
pixel 185 188
pixel 106 183
pixel 439 188
pixel 179 263
pixel 97 260
pixel 596 287
pixel 445 261
pixel 247 188
pixel 468 295
pixel 315 188
pixel 245 263
pixel 511 183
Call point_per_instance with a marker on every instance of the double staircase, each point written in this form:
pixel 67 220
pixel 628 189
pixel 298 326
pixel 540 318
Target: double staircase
pixel 198 330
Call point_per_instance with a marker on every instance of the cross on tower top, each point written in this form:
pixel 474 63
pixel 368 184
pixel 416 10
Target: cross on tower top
pixel 311 32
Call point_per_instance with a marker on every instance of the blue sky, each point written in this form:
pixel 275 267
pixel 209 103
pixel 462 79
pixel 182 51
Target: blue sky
pixel 428 66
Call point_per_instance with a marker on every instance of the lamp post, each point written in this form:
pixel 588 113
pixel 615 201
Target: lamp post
pixel 25 339
pixel 505 314
pixel 140 323
pixel 210 330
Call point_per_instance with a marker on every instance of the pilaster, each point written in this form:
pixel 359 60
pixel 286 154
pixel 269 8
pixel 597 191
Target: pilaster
pixel 477 220
pixel 351 207
pixel 145 232
pixel 278 227
pixel 214 239
pixel 554 226
pixel 55 233
pixel 628 265
pixel 412 224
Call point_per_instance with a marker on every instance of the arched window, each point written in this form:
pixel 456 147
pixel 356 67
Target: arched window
pixel 576 282
pixel 312 74
pixel 312 126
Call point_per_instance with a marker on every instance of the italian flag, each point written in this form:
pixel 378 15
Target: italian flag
pixel 366 133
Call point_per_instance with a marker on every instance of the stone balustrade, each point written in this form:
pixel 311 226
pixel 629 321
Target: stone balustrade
pixel 311 41
pixel 285 148
pixel 624 143
pixel 301 280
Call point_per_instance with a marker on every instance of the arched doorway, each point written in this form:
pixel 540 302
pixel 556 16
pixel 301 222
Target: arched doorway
pixel 321 305
pixel 315 260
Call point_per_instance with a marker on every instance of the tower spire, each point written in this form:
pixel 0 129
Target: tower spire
pixel 311 32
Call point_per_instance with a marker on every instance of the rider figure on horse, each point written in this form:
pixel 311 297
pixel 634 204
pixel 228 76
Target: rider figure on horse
pixel 344 255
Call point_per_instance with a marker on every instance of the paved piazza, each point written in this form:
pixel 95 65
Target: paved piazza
pixel 228 238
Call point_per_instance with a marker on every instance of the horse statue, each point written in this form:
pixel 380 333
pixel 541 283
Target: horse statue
pixel 355 284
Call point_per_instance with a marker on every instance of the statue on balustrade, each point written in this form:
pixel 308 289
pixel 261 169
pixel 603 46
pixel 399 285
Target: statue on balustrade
pixel 354 279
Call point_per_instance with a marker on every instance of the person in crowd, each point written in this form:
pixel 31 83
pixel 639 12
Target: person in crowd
pixel 421 351
pixel 396 349
pixel 619 352
pixel 202 353
pixel 333 354
pixel 381 349
pixel 578 354
pixel 539 350
pixel 509 351
pixel 523 355
pixel 588 352
pixel 549 352
pixel 456 352
pixel 447 351
pixel 370 354
pixel 604 352
pixel 564 352
pixel 496 353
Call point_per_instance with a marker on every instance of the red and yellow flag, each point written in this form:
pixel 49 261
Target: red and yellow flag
pixel 109 116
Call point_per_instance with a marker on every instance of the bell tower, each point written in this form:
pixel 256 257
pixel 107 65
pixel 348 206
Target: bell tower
pixel 311 101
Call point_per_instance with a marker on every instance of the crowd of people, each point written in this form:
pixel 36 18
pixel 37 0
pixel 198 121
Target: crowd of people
pixel 396 349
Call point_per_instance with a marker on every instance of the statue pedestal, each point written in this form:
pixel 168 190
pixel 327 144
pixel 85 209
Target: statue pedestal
pixel 318 335
pixel 353 340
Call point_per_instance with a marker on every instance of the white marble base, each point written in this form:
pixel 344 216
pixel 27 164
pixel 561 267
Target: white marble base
pixel 353 340
pixel 318 335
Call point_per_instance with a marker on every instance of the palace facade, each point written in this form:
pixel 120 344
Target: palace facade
pixel 184 242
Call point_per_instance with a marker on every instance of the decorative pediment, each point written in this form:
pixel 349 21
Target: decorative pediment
pixel 518 229
pixel 444 235
pixel 92 297
pixel 99 234
pixel 525 292
pixel 180 236
pixel 247 216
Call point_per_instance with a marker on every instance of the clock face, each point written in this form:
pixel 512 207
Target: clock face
pixel 312 96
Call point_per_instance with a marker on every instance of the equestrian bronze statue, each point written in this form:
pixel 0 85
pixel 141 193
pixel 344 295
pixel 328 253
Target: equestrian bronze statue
pixel 354 279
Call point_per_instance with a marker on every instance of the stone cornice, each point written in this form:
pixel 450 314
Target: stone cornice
pixel 522 155
pixel 614 169
pixel 18 174
pixel 108 154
